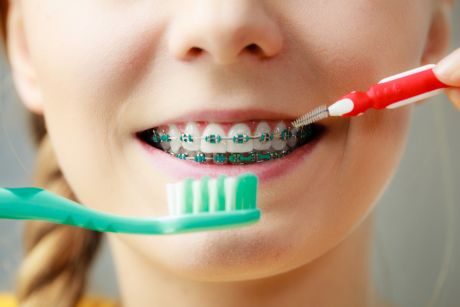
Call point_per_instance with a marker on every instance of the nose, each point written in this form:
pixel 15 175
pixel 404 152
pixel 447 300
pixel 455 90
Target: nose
pixel 225 30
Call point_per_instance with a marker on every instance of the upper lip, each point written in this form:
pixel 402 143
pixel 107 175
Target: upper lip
pixel 224 116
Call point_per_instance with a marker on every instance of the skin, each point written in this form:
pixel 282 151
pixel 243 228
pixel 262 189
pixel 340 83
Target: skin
pixel 101 70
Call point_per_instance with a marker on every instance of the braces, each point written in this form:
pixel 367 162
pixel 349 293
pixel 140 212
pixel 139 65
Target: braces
pixel 285 135
pixel 233 158
pixel 301 137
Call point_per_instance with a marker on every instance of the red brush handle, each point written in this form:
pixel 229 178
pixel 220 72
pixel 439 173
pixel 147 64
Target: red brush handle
pixel 397 91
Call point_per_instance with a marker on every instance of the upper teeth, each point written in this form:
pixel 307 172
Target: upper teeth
pixel 191 136
pixel 279 143
pixel 239 139
pixel 174 133
pixel 212 139
pixel 264 142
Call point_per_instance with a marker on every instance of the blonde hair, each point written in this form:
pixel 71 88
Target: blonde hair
pixel 57 258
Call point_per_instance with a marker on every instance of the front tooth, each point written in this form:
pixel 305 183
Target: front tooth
pixel 263 129
pixel 278 143
pixel 191 137
pixel 240 141
pixel 174 134
pixel 212 139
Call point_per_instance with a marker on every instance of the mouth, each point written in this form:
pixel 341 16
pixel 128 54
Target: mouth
pixel 212 142
pixel 230 143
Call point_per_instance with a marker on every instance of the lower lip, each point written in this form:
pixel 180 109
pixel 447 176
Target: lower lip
pixel 179 169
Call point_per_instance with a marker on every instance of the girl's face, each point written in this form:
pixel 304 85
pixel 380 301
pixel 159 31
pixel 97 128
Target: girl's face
pixel 101 71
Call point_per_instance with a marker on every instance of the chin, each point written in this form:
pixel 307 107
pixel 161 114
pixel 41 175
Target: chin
pixel 257 251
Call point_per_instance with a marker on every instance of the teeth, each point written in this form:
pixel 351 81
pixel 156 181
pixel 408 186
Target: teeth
pixel 292 141
pixel 239 145
pixel 240 141
pixel 212 139
pixel 165 142
pixel 278 143
pixel 262 129
pixel 174 134
pixel 191 132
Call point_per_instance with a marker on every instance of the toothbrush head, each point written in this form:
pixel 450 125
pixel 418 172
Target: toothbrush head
pixel 213 203
pixel 315 115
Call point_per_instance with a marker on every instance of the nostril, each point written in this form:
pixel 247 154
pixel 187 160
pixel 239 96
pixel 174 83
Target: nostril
pixel 253 48
pixel 194 52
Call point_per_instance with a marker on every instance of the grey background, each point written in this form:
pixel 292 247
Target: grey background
pixel 417 233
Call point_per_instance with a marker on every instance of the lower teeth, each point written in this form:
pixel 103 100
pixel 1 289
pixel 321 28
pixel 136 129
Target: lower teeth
pixel 232 158
pixel 162 141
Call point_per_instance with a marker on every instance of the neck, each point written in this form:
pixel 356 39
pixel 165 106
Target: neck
pixel 341 277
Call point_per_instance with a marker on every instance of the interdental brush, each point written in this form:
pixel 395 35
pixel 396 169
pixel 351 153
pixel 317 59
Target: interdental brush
pixel 390 93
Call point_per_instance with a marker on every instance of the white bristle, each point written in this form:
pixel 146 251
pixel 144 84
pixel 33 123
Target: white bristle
pixel 230 201
pixel 213 194
pixel 317 114
pixel 196 190
pixel 179 198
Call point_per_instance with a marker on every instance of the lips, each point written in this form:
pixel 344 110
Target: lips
pixel 216 142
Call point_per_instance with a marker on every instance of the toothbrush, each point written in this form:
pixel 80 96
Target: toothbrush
pixel 390 93
pixel 208 203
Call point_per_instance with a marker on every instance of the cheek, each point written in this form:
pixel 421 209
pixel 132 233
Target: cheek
pixel 93 56
pixel 373 151
pixel 88 65
pixel 350 45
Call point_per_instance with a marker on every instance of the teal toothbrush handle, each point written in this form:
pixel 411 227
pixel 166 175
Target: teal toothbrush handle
pixel 38 204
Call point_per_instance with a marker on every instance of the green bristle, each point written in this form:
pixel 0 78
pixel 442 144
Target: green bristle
pixel 221 193
pixel 252 182
pixel 188 196
pixel 204 194
pixel 246 189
